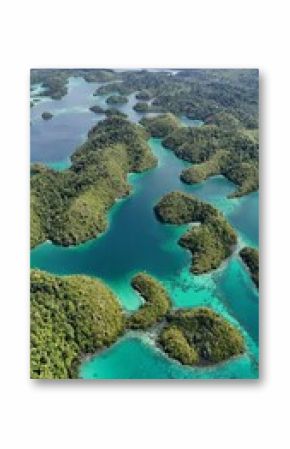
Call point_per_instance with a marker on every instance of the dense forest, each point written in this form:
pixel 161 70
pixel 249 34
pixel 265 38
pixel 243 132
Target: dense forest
pixel 70 207
pixel 196 93
pixel 156 302
pixel 250 257
pixel 210 240
pixel 70 316
pixel 222 146
pixel 74 316
pixel 200 336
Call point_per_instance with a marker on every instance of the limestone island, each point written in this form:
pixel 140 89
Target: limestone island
pixel 115 112
pixel 250 257
pixel 199 336
pixel 141 106
pixel 47 115
pixel 214 149
pixel 75 316
pixel 71 316
pixel 156 302
pixel 71 206
pixel 97 109
pixel 117 99
pixel 143 95
pixel 161 125
pixel 210 241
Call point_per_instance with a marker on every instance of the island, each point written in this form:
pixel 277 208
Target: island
pixel 75 316
pixel 231 151
pixel 250 256
pixel 199 336
pixel 156 302
pixel 143 95
pixel 141 106
pixel 71 206
pixel 114 111
pixel 71 316
pixel 117 99
pixel 97 109
pixel 47 115
pixel 210 239
pixel 161 125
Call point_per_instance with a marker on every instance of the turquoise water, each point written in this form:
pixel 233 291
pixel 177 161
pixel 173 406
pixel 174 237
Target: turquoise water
pixel 136 357
pixel 136 241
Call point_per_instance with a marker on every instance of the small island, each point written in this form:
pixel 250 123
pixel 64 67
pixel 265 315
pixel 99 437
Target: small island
pixel 250 257
pixel 47 115
pixel 161 125
pixel 97 109
pixel 141 106
pixel 115 112
pixel 199 336
pixel 117 99
pixel 71 316
pixel 156 302
pixel 143 95
pixel 211 240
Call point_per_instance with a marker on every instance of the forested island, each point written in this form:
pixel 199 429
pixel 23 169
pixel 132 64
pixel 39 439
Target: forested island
pixel 199 336
pixel 97 109
pixel 223 147
pixel 75 316
pixel 70 316
pixel 141 106
pixel 211 240
pixel 250 257
pixel 117 99
pixel 70 207
pixel 46 115
pixel 156 302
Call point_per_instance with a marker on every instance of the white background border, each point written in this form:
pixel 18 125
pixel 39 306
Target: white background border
pixel 204 414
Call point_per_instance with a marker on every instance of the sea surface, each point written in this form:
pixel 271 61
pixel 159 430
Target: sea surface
pixel 135 241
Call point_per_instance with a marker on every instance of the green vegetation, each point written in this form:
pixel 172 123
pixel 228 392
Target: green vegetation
pixel 161 125
pixel 55 80
pixel 200 336
pixel 47 115
pixel 70 206
pixel 141 107
pixel 229 150
pixel 117 99
pixel 176 346
pixel 210 241
pixel 71 316
pixel 200 172
pixel 97 109
pixel 250 257
pixel 143 95
pixel 75 316
pixel 156 305
pixel 113 111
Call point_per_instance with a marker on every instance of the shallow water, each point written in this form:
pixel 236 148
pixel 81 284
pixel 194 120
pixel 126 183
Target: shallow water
pixel 136 241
